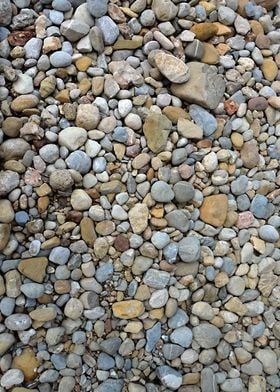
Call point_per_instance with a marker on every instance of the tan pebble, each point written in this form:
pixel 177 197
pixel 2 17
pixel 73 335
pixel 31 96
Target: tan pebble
pixel 27 363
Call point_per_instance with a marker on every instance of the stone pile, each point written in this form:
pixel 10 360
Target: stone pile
pixel 139 195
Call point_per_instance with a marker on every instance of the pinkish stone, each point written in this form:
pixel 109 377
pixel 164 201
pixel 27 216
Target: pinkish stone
pixel 32 177
pixel 245 219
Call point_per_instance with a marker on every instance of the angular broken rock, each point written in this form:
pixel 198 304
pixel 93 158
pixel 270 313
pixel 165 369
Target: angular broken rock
pixel 156 130
pixel 204 87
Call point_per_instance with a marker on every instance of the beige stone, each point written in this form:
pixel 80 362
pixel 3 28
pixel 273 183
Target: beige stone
pixel 128 309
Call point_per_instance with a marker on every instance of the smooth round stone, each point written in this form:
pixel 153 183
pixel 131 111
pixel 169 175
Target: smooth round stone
pixel 104 272
pixel 97 8
pixel 7 306
pixel 18 322
pixel 79 161
pixel 120 135
pixel 124 107
pixel 73 309
pixel 6 211
pixel 12 377
pixel 162 192
pixel 92 148
pixel 21 218
pixel 61 5
pixel 60 59
pixel 182 336
pixel 268 233
pixel 23 84
pixel 160 239
pixel 170 252
pixel 99 164
pixel 184 191
pixel 207 335
pixel 32 290
pixel 189 249
pixel 203 310
pixel 169 377
pixel 59 255
pixel 158 298
pixel 172 351
pixel 49 153
pixel 236 285
pixel 80 200
pixel 239 186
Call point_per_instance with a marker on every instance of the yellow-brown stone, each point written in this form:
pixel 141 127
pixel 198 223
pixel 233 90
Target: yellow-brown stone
pixel 128 309
pixel 84 85
pixel 174 113
pixel 204 31
pixel 43 314
pixel 34 268
pixel 88 231
pixel 83 63
pixel 210 55
pixel 214 210
pixel 222 29
pixel 27 363
pixel 134 43
pixel 63 96
pixel 269 69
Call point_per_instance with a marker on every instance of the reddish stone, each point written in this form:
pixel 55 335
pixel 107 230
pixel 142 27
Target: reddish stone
pixel 258 103
pixel 121 243
pixel 250 154
pixel 133 151
pixel 19 38
pixel 245 219
pixel 32 177
pixel 231 106
pixel 74 216
pixel 186 171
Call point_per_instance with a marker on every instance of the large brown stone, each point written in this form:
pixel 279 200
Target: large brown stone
pixel 204 87
pixel 214 210
pixel 204 31
pixel 156 130
pixel 34 268
pixel 250 154
pixel 27 363
pixel 5 229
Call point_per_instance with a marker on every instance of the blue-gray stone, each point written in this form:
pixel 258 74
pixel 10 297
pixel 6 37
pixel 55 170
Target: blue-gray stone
pixel 156 279
pixel 210 273
pixel 99 164
pixel 105 362
pixel 59 255
pixel 97 8
pixel 260 206
pixel 169 377
pixel 120 135
pixel 162 192
pixel 189 249
pixel 172 351
pixel 170 252
pixel 61 5
pixel 203 119
pixel 153 335
pixel 256 330
pixel 239 185
pixel 268 233
pixel 79 337
pixel 179 319
pixel 160 239
pixel 56 17
pixel 32 290
pixel 178 219
pixel 110 385
pixel 243 202
pixel 79 161
pixel 21 217
pixel 59 361
pixel 109 29
pixel 182 336
pixel 7 306
pixel 60 59
pixel 104 272
pixel 207 335
pixel 111 345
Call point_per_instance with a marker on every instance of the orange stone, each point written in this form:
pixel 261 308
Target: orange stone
pixel 128 309
pixel 214 210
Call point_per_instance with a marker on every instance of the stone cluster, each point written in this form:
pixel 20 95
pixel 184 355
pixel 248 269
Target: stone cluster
pixel 139 195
